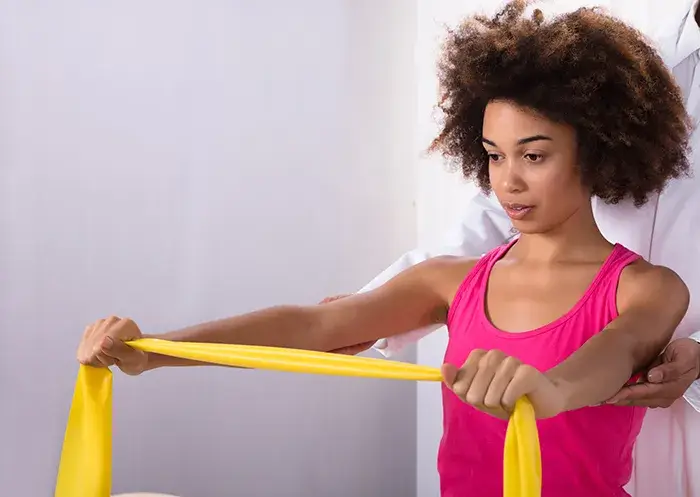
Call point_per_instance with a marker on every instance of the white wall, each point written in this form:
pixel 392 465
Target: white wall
pixel 177 161
pixel 441 201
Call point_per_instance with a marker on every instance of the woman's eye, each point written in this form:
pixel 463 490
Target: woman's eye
pixel 494 157
pixel 533 157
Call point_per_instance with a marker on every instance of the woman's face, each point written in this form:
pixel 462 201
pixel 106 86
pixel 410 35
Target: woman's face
pixel 532 167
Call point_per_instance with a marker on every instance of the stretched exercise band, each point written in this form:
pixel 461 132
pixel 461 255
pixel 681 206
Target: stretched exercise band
pixel 85 469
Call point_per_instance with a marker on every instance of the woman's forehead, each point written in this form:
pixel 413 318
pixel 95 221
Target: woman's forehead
pixel 510 122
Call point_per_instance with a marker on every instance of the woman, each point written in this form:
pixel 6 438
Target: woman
pixel 547 115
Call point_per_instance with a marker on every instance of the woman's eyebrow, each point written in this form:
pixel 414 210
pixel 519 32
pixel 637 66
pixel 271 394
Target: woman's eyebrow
pixel 522 141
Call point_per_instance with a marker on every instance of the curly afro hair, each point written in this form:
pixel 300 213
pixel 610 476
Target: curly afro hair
pixel 586 69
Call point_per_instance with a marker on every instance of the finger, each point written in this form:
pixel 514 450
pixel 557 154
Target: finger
pixel 84 349
pixel 637 392
pixel 504 375
pixel 353 349
pixel 333 298
pixel 520 385
pixel 620 396
pixel 117 350
pixel 106 325
pixel 466 374
pixel 652 404
pixel 99 360
pixel 98 357
pixel 97 331
pixel 449 374
pixel 669 371
pixel 104 360
pixel 87 349
pixel 488 365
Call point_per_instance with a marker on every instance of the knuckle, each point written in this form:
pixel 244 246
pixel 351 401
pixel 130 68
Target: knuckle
pixel 512 362
pixel 525 372
pixel 492 359
pixel 460 389
pixel 485 361
pixel 492 402
pixel 476 354
pixel 474 398
pixel 128 326
pixel 507 402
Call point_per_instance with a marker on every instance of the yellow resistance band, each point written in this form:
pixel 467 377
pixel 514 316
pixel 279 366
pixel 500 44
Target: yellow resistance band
pixel 85 469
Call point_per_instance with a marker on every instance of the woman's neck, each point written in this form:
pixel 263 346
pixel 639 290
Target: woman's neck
pixel 576 239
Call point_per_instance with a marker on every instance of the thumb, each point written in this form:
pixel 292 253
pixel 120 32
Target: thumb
pixel 119 351
pixel 449 374
pixel 664 373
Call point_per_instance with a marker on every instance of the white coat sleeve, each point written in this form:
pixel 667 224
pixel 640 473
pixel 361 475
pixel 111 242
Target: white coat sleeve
pixel 681 43
pixel 484 226
pixel 692 395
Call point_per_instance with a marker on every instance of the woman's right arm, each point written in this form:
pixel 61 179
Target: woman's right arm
pixel 413 299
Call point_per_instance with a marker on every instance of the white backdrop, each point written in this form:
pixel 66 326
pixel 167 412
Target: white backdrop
pixel 440 201
pixel 176 161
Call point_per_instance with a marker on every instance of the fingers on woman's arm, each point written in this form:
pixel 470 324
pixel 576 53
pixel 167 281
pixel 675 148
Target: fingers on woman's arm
pixel 642 394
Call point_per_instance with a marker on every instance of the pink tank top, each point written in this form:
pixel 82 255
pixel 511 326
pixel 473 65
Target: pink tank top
pixel 585 453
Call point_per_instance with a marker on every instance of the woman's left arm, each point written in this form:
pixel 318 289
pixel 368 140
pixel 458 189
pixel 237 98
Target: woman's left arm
pixel 652 301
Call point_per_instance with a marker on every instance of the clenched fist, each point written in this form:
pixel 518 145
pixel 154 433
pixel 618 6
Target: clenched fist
pixel 103 345
pixel 492 382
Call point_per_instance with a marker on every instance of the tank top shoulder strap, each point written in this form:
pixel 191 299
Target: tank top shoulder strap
pixel 609 277
pixel 497 254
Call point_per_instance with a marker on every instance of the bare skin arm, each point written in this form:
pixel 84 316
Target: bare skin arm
pixel 415 298
pixel 652 301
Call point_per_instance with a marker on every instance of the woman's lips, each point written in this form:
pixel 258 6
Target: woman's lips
pixel 517 211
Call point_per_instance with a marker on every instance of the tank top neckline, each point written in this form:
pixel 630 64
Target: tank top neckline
pixel 488 324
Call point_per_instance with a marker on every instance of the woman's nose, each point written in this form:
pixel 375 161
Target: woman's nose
pixel 511 177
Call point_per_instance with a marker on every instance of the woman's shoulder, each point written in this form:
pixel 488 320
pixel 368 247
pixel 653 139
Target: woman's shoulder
pixel 643 283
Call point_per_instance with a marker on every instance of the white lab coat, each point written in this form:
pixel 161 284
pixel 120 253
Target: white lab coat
pixel 665 231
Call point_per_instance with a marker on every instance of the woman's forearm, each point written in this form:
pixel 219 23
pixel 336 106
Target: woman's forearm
pixel 596 371
pixel 413 299
pixel 653 304
pixel 281 326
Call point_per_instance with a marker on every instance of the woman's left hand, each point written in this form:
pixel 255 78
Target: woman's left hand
pixel 492 382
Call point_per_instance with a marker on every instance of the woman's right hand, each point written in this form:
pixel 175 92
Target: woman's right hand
pixel 103 345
